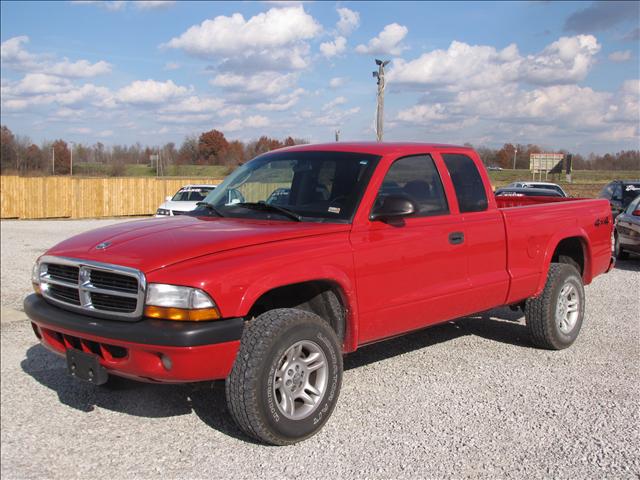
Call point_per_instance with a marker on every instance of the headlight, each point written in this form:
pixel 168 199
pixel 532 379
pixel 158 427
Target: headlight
pixel 162 211
pixel 37 271
pixel 172 302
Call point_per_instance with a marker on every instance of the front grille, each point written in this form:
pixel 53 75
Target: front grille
pixel 179 212
pixel 64 294
pixel 65 273
pixel 94 288
pixel 112 303
pixel 113 281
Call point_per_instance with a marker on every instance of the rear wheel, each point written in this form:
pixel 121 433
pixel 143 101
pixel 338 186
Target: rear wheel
pixel 555 317
pixel 286 378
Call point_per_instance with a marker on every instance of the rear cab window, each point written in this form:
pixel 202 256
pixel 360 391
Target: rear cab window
pixel 416 178
pixel 467 182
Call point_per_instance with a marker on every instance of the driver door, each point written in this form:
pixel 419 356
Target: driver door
pixel 410 272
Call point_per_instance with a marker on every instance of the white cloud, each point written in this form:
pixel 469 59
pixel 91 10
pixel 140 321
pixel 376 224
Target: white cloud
pixel 281 102
pixel 349 21
pixel 331 49
pixel 105 133
pixel 620 56
pixel 279 33
pixel 38 83
pixel 254 121
pixel 334 118
pixel 566 60
pixel 337 82
pixel 464 66
pixel 152 4
pixel 113 5
pixel 333 103
pixel 264 83
pixel 80 130
pixel 388 41
pixel 15 56
pixel 79 69
pixel 171 66
pixel 196 104
pixel 420 114
pixel 150 92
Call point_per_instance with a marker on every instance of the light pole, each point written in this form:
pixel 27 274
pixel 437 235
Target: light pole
pixel 71 165
pixel 380 108
pixel 515 151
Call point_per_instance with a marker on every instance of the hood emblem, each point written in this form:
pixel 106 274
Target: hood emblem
pixel 103 245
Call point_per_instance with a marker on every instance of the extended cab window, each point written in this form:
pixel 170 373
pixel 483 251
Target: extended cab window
pixel 416 177
pixel 467 182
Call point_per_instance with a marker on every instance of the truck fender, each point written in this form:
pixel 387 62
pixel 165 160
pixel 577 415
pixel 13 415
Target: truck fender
pixel 552 245
pixel 301 274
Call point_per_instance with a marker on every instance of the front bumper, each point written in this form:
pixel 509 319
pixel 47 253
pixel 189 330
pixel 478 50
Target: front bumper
pixel 146 350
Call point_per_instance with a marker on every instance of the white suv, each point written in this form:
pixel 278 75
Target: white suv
pixel 184 200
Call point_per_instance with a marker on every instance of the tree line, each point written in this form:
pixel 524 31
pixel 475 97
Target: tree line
pixel 18 154
pixel 504 158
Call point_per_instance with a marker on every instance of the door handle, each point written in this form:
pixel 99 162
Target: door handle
pixel 456 238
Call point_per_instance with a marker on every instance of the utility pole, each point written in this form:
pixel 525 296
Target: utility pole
pixel 515 151
pixel 337 135
pixel 71 166
pixel 53 161
pixel 380 108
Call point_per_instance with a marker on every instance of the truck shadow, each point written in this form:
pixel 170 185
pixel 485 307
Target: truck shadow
pixel 501 325
pixel 207 399
pixel 630 265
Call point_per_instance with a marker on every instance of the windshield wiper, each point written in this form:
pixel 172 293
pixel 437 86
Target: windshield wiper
pixel 269 207
pixel 210 207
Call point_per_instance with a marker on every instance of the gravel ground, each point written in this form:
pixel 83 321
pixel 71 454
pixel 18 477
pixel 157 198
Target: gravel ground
pixel 470 398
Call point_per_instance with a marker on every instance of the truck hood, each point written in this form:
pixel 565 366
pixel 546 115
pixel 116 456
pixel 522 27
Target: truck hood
pixel 159 242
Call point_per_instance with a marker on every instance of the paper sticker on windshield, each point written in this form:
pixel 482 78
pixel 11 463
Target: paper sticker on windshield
pixel 334 210
pixel 631 188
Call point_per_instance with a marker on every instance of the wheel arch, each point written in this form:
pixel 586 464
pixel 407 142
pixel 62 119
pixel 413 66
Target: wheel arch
pixel 573 245
pixel 330 298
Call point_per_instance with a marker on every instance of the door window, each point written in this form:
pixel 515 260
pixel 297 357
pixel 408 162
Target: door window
pixel 467 182
pixel 416 178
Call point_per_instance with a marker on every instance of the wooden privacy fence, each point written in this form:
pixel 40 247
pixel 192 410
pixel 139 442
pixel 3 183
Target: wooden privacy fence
pixel 56 197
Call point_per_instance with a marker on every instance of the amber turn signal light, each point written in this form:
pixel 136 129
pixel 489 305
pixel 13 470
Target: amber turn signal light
pixel 181 314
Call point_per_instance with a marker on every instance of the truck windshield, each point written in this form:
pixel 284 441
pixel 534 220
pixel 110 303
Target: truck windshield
pixel 314 185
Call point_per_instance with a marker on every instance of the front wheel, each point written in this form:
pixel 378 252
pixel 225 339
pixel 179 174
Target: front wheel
pixel 555 317
pixel 286 378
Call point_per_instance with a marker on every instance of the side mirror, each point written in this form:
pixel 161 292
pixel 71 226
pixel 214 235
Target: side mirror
pixel 393 206
pixel 168 199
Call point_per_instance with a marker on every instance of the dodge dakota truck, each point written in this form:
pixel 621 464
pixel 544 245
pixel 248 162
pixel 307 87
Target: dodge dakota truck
pixel 303 255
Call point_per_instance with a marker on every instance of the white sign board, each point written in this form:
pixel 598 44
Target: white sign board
pixel 543 162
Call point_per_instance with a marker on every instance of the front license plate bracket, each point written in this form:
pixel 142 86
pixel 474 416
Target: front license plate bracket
pixel 86 366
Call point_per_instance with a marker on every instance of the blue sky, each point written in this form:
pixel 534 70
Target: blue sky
pixel 559 74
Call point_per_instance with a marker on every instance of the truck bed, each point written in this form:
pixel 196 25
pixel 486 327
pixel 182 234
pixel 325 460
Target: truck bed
pixel 534 226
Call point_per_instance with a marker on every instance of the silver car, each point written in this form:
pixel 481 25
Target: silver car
pixel 627 230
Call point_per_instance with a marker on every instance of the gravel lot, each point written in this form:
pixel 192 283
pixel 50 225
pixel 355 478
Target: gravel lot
pixel 466 399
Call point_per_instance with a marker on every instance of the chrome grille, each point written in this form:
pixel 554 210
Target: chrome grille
pixel 94 288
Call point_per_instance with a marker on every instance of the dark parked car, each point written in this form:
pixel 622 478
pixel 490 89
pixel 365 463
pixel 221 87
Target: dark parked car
pixel 620 193
pixel 627 230
pixel 526 192
pixel 544 185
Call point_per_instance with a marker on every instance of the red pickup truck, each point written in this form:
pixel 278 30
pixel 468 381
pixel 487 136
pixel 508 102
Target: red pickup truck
pixel 305 254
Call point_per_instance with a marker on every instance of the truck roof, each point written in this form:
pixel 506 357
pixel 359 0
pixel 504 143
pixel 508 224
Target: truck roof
pixel 378 148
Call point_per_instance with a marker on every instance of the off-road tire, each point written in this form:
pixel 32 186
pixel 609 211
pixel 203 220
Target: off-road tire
pixel 540 312
pixel 249 386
